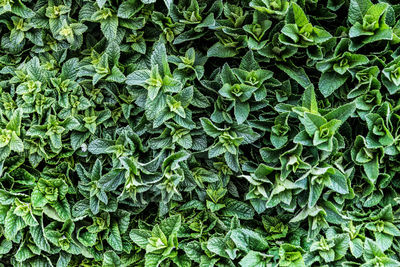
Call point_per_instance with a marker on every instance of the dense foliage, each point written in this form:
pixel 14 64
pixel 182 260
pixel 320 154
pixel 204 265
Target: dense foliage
pixel 199 133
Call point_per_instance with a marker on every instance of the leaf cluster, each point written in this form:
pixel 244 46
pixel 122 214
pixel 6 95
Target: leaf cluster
pixel 221 133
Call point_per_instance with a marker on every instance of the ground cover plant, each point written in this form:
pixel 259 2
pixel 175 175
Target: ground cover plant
pixel 199 133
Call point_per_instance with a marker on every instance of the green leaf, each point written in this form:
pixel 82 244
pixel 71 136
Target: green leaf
pixel 16 143
pixel 171 225
pixel 296 73
pixel 111 259
pixel 357 10
pixel 248 240
pixel 62 208
pixel 138 77
pixel 112 180
pixel 140 237
pixel 109 27
pixel 78 139
pixel 341 245
pixel 341 113
pixel 242 111
pixel 338 183
pixel 330 82
pixel 309 100
pixel 217 245
pixel 99 146
pixel 37 233
pixel 15 122
pixel 116 75
pixel 210 128
pixel 101 3
pixel 219 50
pixel 23 253
pixel 371 169
pixel 315 193
pixel 12 225
pixel 152 260
pixel 240 209
pixel 313 122
pixel 64 259
pixel 255 259
pixel 5 246
pixel 37 198
pixel 114 238
pixel 356 247
pixel 384 241
pixel 299 15
pixel 55 140
pixel 159 58
pixel 129 8
pixel 22 10
pixel 194 251
pixel 371 250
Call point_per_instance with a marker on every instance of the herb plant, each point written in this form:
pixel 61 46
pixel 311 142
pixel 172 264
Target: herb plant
pixel 223 133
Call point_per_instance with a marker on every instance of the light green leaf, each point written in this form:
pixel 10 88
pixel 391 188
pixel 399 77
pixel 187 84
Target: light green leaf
pixel 357 10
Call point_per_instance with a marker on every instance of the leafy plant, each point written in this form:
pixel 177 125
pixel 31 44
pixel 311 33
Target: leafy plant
pixel 199 133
